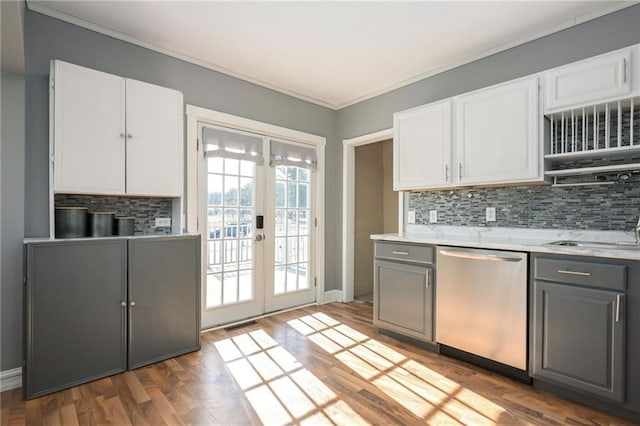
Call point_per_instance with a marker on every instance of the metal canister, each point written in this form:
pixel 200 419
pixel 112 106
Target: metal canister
pixel 101 224
pixel 71 222
pixel 124 225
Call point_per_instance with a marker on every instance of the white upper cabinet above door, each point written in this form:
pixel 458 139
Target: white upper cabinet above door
pixel 497 135
pixel 603 78
pixel 154 127
pixel 88 130
pixel 114 136
pixel 422 147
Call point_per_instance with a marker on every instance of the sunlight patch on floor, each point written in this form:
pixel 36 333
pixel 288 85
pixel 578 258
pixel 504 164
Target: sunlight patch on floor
pixel 277 386
pixel 424 392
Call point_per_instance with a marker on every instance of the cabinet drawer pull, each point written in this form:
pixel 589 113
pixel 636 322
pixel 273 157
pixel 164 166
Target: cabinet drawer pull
pixel 584 274
pixel 401 253
pixel 618 299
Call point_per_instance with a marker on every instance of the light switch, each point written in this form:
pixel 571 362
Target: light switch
pixel 163 222
pixel 411 216
pixel 433 216
pixel 491 214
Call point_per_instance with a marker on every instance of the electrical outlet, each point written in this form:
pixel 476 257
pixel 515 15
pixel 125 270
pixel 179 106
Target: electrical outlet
pixel 411 216
pixel 433 216
pixel 491 214
pixel 163 222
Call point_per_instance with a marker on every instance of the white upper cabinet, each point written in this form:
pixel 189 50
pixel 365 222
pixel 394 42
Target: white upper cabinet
pixel 114 136
pixel 88 130
pixel 496 139
pixel 603 78
pixel 497 135
pixel 154 135
pixel 422 147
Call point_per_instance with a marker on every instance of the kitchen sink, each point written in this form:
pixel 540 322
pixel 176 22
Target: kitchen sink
pixel 622 245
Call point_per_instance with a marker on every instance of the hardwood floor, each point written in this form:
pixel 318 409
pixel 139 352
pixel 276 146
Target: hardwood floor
pixel 318 365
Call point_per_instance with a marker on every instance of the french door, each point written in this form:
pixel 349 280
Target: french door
pixel 256 219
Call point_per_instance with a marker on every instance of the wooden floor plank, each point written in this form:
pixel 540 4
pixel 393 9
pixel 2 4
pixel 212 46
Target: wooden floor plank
pixel 332 363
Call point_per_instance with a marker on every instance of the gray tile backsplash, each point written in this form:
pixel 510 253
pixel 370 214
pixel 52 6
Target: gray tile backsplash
pixel 614 207
pixel 143 209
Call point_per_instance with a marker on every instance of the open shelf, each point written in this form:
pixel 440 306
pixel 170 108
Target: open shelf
pixel 594 170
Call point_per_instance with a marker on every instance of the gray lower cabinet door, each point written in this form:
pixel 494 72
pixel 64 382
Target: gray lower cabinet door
pixel 164 298
pixel 74 323
pixel 403 299
pixel 578 338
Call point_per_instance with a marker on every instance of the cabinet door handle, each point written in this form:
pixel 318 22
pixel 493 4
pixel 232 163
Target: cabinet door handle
pixel 618 300
pixel 446 173
pixel 401 253
pixel 123 304
pixel 132 303
pixel 427 278
pixel 624 71
pixel 584 274
pixel 459 170
pixel 129 136
pixel 121 135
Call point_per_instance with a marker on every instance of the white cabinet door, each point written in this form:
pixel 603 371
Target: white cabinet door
pixel 497 134
pixel 88 131
pixel 422 147
pixel 594 80
pixel 154 140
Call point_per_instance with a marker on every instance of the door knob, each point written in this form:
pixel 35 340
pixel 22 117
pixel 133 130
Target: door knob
pixel 260 237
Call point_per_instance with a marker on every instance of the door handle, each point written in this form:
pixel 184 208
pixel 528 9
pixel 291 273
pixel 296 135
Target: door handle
pixel 461 254
pixel 260 237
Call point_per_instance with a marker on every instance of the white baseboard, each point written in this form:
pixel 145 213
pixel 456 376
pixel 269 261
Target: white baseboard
pixel 10 379
pixel 332 296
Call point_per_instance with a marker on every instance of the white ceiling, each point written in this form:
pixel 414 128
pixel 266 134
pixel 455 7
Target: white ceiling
pixel 331 53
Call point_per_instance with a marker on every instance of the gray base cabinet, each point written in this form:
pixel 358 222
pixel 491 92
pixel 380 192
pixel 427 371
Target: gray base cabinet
pixel 74 322
pixel 403 289
pixel 164 320
pixel 97 307
pixel 579 326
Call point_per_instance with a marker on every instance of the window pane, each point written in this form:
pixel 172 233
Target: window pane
pixel 214 256
pixel 230 223
pixel 292 272
pixel 245 286
pixel 230 191
pixel 279 280
pixel 303 175
pixel 281 222
pixel 281 172
pixel 214 187
pixel 292 173
pixel 292 249
pixel 303 222
pixel 246 192
pixel 231 166
pixel 214 290
pixel 230 288
pixel 303 249
pixel 303 191
pixel 246 223
pixel 281 195
pixel 214 223
pixel 292 192
pixel 214 165
pixel 230 255
pixel 281 250
pixel 303 276
pixel 247 168
pixel 245 254
pixel 292 222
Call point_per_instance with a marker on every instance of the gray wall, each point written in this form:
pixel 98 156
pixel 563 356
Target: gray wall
pixel 11 220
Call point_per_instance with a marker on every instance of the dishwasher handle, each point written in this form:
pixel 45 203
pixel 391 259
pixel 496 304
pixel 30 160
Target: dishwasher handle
pixel 466 254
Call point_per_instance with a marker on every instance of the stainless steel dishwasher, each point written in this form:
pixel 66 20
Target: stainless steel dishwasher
pixel 481 303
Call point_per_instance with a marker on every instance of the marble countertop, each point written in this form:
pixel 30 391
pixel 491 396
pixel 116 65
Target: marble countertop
pixel 517 239
pixel 113 237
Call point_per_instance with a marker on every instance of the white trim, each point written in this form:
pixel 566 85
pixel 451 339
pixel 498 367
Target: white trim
pixel 331 296
pixel 197 115
pixel 270 314
pixel 41 8
pixel 10 379
pixel 348 204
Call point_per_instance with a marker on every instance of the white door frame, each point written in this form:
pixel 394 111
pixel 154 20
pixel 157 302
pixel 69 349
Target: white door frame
pixel 348 204
pixel 197 115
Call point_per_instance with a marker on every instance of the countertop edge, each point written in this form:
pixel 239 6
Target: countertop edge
pixel 34 240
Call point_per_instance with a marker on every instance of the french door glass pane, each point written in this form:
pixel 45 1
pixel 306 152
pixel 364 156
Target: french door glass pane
pixel 230 213
pixel 292 242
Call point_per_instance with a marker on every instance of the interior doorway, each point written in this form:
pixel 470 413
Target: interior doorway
pixel 375 210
